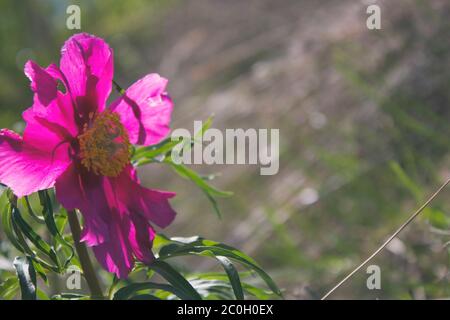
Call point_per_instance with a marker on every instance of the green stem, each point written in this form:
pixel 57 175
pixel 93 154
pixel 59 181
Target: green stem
pixel 83 255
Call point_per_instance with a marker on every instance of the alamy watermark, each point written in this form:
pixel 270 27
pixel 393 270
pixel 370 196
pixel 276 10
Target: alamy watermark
pixel 236 146
pixel 374 280
pixel 373 22
pixel 73 21
pixel 73 281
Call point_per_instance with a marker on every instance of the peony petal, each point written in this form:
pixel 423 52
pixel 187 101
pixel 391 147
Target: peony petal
pixel 116 255
pixel 87 63
pixel 25 168
pixel 116 213
pixel 133 235
pixel 129 215
pixel 78 189
pixel 151 204
pixel 52 115
pixel 42 83
pixel 141 237
pixel 49 127
pixel 36 161
pixel 145 110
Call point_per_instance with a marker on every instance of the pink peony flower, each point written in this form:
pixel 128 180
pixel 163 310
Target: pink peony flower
pixel 74 142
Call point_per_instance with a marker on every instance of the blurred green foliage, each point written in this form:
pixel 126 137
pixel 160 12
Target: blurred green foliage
pixel 37 29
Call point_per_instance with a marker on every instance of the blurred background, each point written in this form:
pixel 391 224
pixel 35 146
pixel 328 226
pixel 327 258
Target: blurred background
pixel 363 118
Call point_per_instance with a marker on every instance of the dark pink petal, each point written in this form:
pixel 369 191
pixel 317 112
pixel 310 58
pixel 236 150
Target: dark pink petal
pixel 77 189
pixel 51 116
pixel 42 83
pixel 56 73
pixel 133 236
pixel 141 237
pixel 27 169
pixel 87 64
pixel 35 161
pixel 152 204
pixel 106 255
pixel 48 127
pixel 130 213
pixel 116 215
pixel 145 110
pixel 116 255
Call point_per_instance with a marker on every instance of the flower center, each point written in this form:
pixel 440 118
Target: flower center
pixel 104 145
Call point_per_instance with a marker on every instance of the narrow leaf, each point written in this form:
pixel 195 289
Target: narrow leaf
pixel 33 236
pixel 27 277
pixel 175 279
pixel 204 247
pixel 233 275
pixel 127 292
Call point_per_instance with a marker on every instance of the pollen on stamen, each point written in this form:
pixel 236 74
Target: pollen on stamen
pixel 104 145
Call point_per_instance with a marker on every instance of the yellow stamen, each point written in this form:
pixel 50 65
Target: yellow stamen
pixel 104 145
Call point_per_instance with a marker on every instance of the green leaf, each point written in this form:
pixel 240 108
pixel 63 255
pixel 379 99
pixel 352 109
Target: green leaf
pixel 199 134
pixel 38 266
pixel 119 89
pixel 115 281
pixel 61 220
pixel 209 190
pixel 23 247
pixel 3 196
pixel 214 204
pixel 27 277
pixel 49 219
pixel 144 297
pixel 216 284
pixel 213 288
pixel 187 173
pixel 40 244
pixel 9 288
pixel 41 295
pixel 70 296
pixel 31 212
pixel 175 279
pixel 406 181
pixel 233 275
pixel 258 293
pixel 159 149
pixel 128 291
pixel 206 125
pixel 47 213
pixel 7 223
pixel 145 155
pixel 204 247
pixel 438 219
pixel 38 263
pixel 162 240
